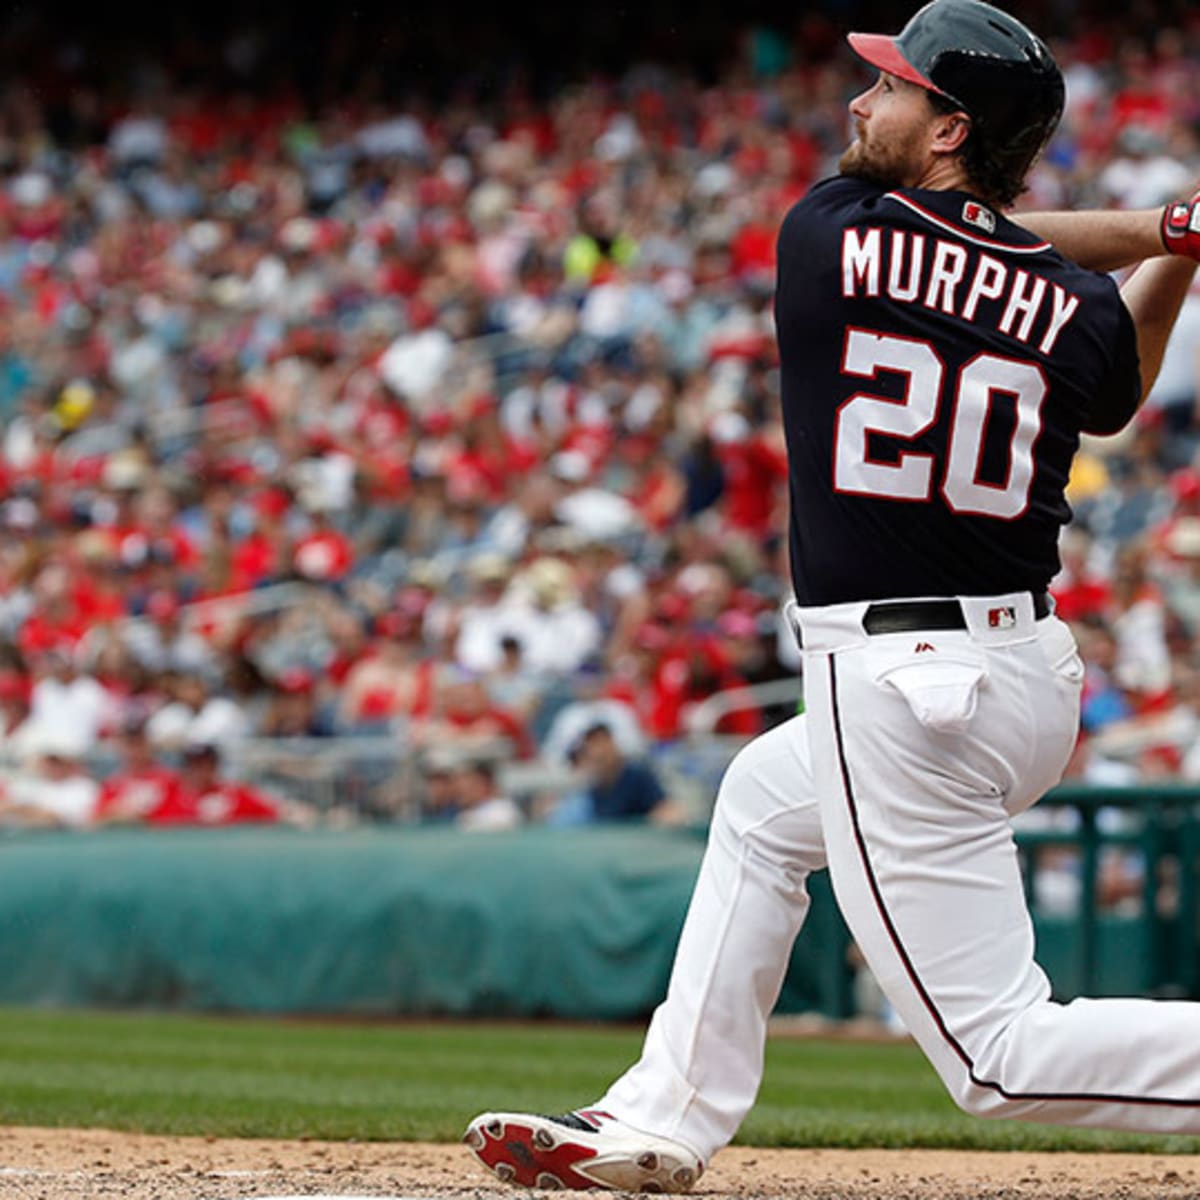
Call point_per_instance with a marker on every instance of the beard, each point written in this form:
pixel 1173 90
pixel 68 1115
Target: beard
pixel 888 164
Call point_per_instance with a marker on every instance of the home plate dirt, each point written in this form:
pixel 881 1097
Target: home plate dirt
pixel 49 1164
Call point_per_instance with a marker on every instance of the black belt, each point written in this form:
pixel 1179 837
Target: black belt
pixel 907 616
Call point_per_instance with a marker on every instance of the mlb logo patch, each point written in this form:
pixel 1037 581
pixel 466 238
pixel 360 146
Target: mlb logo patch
pixel 1002 618
pixel 982 218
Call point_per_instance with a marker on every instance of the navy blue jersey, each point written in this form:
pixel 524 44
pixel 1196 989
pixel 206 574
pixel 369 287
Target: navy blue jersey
pixel 938 365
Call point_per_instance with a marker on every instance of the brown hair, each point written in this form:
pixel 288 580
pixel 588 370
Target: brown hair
pixel 995 181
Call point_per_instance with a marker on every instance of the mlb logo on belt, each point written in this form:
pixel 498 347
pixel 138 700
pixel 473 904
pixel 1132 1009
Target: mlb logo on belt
pixel 982 218
pixel 1002 618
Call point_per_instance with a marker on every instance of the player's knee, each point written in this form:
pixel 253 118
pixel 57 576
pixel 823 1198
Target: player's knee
pixel 729 817
pixel 766 802
pixel 978 1101
pixel 738 779
pixel 972 1101
pixel 743 797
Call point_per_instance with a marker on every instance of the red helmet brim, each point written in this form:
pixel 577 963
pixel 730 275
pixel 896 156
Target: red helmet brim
pixel 881 51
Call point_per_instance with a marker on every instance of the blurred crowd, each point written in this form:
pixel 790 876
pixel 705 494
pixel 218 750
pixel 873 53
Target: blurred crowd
pixel 458 423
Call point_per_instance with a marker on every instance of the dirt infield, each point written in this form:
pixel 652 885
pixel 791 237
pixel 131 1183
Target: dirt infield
pixel 56 1164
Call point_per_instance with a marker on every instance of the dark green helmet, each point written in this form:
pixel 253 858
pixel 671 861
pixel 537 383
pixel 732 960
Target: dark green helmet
pixel 985 62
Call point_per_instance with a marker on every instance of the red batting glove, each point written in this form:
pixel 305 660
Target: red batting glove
pixel 1180 227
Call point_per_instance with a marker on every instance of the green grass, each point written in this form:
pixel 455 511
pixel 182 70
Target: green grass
pixel 263 1078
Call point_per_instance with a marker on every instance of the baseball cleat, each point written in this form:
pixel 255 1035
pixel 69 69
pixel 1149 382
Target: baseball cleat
pixel 580 1150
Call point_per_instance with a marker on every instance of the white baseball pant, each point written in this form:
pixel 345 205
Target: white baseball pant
pixel 903 774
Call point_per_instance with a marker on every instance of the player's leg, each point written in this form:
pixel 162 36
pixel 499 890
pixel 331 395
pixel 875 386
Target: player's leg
pixel 702 1060
pixel 703 1057
pixel 925 869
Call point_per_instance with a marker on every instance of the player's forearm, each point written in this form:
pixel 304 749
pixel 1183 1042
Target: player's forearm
pixel 1099 240
pixel 1154 294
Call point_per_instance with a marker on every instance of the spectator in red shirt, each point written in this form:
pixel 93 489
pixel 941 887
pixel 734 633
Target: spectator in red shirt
pixel 259 557
pixel 754 464
pixel 56 624
pixel 205 798
pixel 468 715
pixel 156 537
pixel 753 248
pixel 15 687
pixel 1079 592
pixel 324 554
pixel 141 786
pixel 392 678
pixel 295 709
pixel 691 670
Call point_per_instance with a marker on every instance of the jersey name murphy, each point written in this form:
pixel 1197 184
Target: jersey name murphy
pixel 935 377
pixel 936 273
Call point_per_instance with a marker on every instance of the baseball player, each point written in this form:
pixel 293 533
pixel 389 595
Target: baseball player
pixel 939 363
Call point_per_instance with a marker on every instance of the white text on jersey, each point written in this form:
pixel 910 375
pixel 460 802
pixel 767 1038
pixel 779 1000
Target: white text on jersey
pixel 912 268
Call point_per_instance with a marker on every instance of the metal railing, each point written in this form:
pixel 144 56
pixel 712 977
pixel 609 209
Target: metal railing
pixel 708 714
pixel 348 779
pixel 1161 828
pixel 380 777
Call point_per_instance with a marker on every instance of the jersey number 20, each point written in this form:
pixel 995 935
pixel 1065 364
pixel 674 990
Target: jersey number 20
pixel 910 476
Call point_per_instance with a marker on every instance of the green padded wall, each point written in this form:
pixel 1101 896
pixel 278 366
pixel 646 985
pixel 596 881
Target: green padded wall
pixel 578 923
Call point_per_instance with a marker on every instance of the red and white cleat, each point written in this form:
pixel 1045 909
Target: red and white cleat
pixel 580 1150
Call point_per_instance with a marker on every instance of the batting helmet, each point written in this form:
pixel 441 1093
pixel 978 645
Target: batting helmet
pixel 986 63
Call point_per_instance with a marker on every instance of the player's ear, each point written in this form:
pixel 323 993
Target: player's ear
pixel 950 131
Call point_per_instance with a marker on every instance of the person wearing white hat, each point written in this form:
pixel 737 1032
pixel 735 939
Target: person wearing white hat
pixel 54 791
